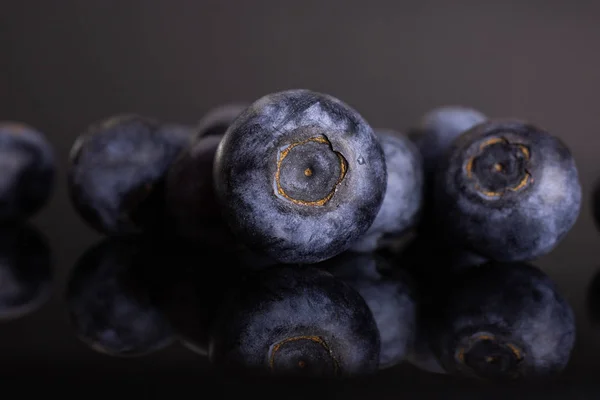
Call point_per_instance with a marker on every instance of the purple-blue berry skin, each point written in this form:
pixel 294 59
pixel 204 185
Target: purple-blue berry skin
pixel 110 300
pixel 503 321
pixel 217 120
pixel 27 162
pixel 389 296
pixel 439 127
pixel 401 207
pixel 508 191
pixel 300 175
pixel 117 171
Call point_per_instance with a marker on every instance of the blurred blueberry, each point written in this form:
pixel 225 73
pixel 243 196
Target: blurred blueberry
pixel 117 170
pixel 401 207
pixel 439 127
pixel 27 162
pixel 26 274
pixel 111 302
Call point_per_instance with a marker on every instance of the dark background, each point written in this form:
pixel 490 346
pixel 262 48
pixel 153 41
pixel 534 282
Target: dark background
pixel 65 64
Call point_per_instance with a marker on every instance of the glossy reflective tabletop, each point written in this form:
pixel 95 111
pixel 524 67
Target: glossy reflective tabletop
pixel 65 64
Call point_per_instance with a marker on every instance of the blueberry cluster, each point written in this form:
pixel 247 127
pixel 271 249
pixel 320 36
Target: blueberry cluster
pixel 287 236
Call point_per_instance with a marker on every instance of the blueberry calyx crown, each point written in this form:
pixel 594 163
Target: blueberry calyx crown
pixel 309 354
pixel 309 171
pixel 499 166
pixel 489 356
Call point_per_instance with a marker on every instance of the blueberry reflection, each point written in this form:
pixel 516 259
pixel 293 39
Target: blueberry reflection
pixel 389 296
pixel 294 320
pixel 25 271
pixel 110 299
pixel 498 321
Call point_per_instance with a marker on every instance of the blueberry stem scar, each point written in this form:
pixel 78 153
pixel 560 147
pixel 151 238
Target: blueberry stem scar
pixel 500 168
pixel 471 342
pixel 314 339
pixel 308 172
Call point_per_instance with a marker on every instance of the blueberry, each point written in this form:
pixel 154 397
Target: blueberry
pixel 300 175
pixel 503 321
pixel 439 127
pixel 295 320
pixel 218 119
pixel 401 207
pixel 508 191
pixel 111 302
pixel 25 271
pixel 27 163
pixel 389 296
pixel 117 170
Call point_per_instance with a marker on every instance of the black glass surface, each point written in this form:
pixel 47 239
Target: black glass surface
pixel 65 64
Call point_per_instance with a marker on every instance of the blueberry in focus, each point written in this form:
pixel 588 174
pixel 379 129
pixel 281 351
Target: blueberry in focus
pixel 27 162
pixel 111 302
pixel 193 211
pixel 503 321
pixel 401 207
pixel 300 175
pixel 389 296
pixel 117 170
pixel 218 119
pixel 26 273
pixel 295 320
pixel 507 190
pixel 439 127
